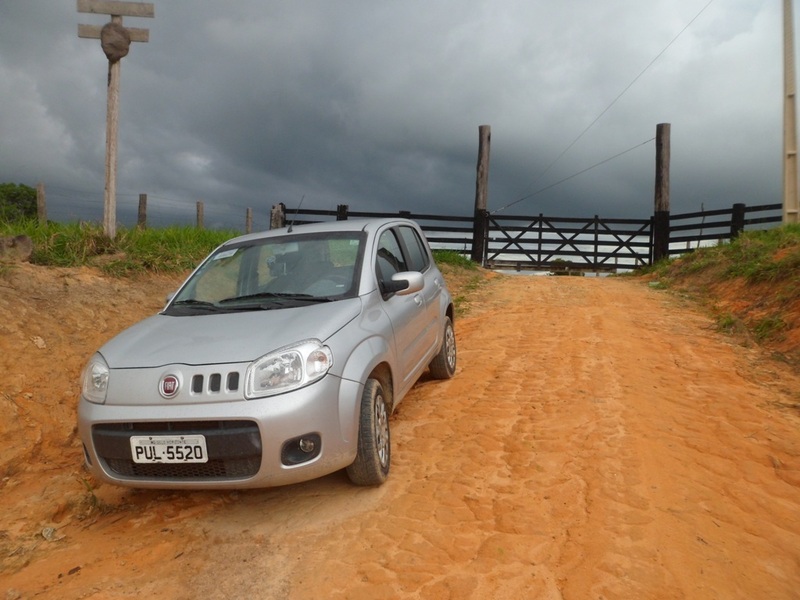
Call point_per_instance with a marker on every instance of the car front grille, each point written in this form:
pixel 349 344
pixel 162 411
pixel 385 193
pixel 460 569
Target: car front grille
pixel 213 469
pixel 234 450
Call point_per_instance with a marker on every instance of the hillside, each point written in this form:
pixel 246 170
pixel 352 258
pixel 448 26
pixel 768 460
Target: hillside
pixel 751 287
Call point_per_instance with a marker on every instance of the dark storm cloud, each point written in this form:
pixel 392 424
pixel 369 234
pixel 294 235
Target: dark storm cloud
pixel 377 106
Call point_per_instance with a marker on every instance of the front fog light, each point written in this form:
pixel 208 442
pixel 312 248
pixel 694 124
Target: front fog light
pixel 301 449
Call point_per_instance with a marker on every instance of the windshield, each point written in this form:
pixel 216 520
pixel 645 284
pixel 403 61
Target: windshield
pixel 274 273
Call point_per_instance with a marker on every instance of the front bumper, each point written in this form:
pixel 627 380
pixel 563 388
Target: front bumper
pixel 251 443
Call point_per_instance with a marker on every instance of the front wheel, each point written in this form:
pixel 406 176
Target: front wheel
pixel 371 466
pixel 443 365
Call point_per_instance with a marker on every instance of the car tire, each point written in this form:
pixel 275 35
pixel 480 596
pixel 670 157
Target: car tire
pixel 443 365
pixel 371 466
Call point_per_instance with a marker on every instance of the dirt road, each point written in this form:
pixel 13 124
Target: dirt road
pixel 600 440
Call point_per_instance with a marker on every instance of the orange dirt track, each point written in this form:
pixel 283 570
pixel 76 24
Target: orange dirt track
pixel 600 440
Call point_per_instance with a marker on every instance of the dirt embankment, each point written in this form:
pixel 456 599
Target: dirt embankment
pixel 600 440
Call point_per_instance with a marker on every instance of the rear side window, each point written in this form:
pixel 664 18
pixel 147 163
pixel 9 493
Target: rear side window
pixel 417 255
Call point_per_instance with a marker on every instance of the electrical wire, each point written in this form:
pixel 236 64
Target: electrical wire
pixel 605 110
pixel 552 185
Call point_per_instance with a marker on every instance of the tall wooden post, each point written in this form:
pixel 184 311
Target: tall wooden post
pixel 661 209
pixel 41 204
pixel 112 124
pixel 141 217
pixel 248 220
pixel 200 215
pixel 480 224
pixel 277 216
pixel 115 41
pixel 791 203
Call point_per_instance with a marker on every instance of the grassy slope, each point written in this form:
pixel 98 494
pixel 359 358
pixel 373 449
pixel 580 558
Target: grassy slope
pixel 751 286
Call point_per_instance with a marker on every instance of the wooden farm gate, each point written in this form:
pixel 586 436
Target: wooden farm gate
pixel 567 244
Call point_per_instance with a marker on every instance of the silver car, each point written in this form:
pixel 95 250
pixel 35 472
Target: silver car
pixel 280 359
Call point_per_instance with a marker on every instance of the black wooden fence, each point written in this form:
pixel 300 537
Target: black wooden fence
pixel 541 243
pixel 688 231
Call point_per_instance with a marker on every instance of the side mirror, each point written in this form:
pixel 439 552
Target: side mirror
pixel 404 283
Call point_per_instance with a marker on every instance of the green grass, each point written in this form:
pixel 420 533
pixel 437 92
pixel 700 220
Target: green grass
pixel 453 258
pixel 172 249
pixel 757 256
pixel 766 255
pixel 728 323
pixel 769 328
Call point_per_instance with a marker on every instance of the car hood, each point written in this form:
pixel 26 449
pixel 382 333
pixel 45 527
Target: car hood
pixel 226 337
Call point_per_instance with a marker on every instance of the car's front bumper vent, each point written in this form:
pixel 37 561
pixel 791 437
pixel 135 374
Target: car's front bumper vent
pixel 234 450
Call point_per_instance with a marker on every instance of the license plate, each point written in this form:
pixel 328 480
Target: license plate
pixel 169 449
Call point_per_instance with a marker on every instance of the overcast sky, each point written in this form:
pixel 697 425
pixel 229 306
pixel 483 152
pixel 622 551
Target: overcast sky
pixel 377 105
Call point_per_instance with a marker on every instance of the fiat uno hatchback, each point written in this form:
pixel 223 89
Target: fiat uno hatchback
pixel 280 359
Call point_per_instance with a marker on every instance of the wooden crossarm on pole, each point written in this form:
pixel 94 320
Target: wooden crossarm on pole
pixel 118 9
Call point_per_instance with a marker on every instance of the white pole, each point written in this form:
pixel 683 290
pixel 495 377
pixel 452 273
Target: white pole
pixel 791 205
pixel 112 121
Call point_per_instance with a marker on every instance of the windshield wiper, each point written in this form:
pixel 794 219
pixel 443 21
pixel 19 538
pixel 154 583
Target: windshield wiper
pixel 261 295
pixel 283 297
pixel 200 304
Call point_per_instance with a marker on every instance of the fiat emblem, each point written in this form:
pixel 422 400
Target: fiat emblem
pixel 169 386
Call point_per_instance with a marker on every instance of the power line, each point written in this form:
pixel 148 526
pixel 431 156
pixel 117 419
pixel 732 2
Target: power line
pixel 607 108
pixel 552 185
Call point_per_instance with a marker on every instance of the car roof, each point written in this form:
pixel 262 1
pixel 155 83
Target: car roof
pixel 367 225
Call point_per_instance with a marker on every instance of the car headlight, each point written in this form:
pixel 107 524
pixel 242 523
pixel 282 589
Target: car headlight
pixel 287 369
pixel 95 380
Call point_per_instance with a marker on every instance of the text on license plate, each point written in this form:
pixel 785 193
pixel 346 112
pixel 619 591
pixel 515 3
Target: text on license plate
pixel 169 449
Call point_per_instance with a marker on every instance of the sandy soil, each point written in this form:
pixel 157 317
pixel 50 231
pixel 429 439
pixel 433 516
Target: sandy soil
pixel 600 440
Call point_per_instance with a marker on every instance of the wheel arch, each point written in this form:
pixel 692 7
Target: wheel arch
pixel 369 360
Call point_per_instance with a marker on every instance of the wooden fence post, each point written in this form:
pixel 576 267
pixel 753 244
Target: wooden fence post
pixel 41 204
pixel 661 215
pixel 480 236
pixel 277 217
pixel 200 210
pixel 480 225
pixel 737 220
pixel 248 220
pixel 141 218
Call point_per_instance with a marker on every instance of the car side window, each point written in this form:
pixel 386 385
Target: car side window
pixel 417 256
pixel 390 257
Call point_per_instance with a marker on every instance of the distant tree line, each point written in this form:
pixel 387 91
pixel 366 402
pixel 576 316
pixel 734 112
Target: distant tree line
pixel 17 201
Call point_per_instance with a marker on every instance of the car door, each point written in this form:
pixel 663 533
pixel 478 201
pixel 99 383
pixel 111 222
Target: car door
pixel 407 313
pixel 419 259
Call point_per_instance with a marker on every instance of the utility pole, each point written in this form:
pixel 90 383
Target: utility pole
pixel 661 205
pixel 791 204
pixel 480 224
pixel 115 41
